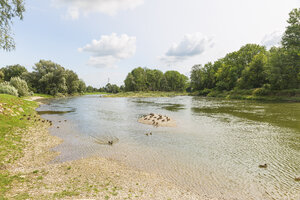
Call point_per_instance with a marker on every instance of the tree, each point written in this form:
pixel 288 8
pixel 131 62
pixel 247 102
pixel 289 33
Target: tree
pixel 281 73
pixel 8 10
pixel 13 71
pixel 1 76
pixel 291 37
pixel 20 85
pixel 81 86
pixel 72 82
pixel 175 81
pixel 254 76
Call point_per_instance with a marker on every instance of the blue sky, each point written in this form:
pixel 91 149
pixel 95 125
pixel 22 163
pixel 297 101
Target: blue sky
pixel 101 39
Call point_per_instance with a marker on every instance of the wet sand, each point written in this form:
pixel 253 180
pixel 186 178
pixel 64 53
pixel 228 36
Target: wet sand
pixel 88 178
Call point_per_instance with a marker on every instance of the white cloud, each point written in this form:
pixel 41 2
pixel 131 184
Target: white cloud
pixel 110 7
pixel 110 49
pixel 191 45
pixel 272 39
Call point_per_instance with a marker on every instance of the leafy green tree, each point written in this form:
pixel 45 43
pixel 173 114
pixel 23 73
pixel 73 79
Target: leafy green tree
pixel 175 81
pixel 1 76
pixel 254 76
pixel 81 86
pixel 90 89
pixel 6 88
pixel 8 10
pixel 13 71
pixel 72 82
pixel 197 78
pixel 48 78
pixel 112 88
pixel 227 76
pixel 281 73
pixel 154 78
pixel 291 37
pixel 20 85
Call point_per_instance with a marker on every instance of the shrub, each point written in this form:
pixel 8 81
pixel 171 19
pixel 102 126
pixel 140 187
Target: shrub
pixel 6 88
pixel 261 92
pixel 20 85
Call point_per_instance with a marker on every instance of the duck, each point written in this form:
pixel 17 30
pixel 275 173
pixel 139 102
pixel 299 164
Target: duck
pixel 147 134
pixel 150 133
pixel 297 178
pixel 58 127
pixel 65 120
pixel 28 118
pixel 110 142
pixel 263 166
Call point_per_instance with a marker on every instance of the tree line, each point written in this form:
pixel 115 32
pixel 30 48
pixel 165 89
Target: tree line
pixel 252 66
pixel 47 77
pixel 143 79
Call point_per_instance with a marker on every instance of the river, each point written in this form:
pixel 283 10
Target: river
pixel 215 149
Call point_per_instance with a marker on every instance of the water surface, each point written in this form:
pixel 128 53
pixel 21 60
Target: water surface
pixel 215 149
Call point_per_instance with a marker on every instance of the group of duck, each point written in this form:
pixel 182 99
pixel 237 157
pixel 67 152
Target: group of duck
pixel 156 119
pixel 36 119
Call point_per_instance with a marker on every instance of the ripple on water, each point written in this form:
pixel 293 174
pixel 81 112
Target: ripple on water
pixel 215 150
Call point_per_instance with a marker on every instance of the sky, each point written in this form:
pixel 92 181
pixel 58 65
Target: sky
pixel 103 40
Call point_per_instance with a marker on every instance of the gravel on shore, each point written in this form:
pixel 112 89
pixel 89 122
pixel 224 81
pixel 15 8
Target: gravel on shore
pixel 87 178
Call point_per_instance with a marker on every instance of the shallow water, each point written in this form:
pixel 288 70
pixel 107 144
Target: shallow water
pixel 214 150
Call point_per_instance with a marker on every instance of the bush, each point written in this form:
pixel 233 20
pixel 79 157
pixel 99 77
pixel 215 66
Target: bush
pixel 20 85
pixel 6 88
pixel 261 92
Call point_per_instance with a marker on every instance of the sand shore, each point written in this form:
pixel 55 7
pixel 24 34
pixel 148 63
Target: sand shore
pixel 88 178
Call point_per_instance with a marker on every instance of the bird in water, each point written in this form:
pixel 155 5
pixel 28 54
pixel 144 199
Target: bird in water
pixel 263 166
pixel 110 142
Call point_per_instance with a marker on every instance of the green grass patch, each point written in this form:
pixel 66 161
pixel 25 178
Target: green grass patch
pixel 65 193
pixel 260 94
pixel 94 93
pixel 13 123
pixel 43 95
pixel 147 94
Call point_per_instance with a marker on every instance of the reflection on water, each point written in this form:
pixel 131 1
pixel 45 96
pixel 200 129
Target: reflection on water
pixel 215 149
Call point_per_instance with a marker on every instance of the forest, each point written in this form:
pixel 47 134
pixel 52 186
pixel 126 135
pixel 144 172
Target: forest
pixel 253 67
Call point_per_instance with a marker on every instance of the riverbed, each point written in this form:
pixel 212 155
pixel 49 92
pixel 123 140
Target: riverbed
pixel 215 149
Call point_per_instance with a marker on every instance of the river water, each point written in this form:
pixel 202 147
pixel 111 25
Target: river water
pixel 215 149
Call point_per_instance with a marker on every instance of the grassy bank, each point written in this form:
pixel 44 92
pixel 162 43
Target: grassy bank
pixel 13 123
pixel 260 94
pixel 147 94
pixel 94 93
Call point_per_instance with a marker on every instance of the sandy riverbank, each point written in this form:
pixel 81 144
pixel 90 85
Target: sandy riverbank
pixel 89 178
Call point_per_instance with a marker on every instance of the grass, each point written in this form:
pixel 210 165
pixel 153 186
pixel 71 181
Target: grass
pixel 147 94
pixel 260 94
pixel 93 93
pixel 13 108
pixel 43 95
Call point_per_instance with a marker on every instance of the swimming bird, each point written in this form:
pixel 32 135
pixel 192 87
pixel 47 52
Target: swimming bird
pixel 297 178
pixel 150 133
pixel 58 127
pixel 59 121
pixel 147 134
pixel 263 166
pixel 28 118
pixel 110 142
pixel 65 120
